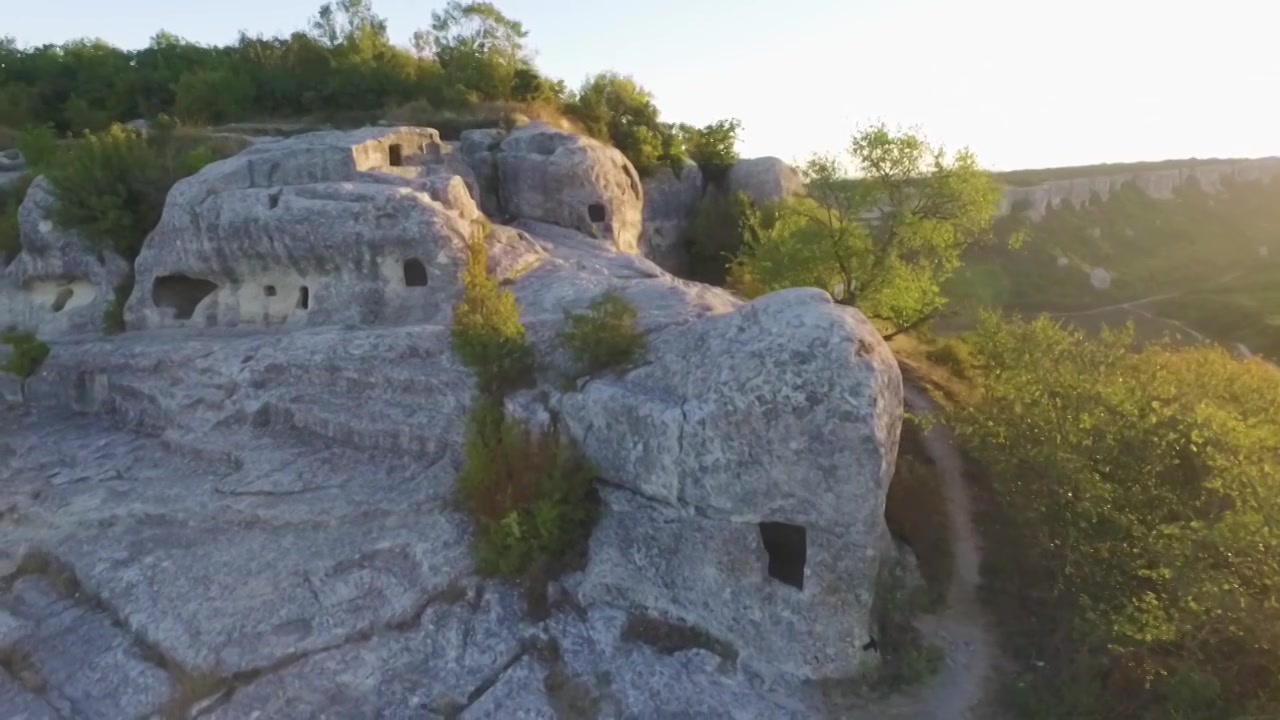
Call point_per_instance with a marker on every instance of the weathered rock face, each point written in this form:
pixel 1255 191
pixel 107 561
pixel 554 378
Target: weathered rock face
pixel 367 227
pixel 763 441
pixel 670 203
pixel 765 180
pixel 59 284
pixel 480 149
pixel 1035 200
pixel 271 512
pixel 572 181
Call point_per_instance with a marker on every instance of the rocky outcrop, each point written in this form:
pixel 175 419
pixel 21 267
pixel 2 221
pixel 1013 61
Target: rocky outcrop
pixel 755 448
pixel 765 180
pixel 572 181
pixel 268 519
pixel 670 204
pixel 1035 200
pixel 367 227
pixel 59 284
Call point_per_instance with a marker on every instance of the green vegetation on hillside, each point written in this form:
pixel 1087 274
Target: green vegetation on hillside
pixel 1244 309
pixel 1135 527
pixel 471 63
pixel 1206 248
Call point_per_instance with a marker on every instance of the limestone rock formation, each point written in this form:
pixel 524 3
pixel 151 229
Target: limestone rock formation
pixel 59 284
pixel 670 203
pixel 720 433
pixel 267 517
pixel 1035 200
pixel 367 227
pixel 572 181
pixel 765 180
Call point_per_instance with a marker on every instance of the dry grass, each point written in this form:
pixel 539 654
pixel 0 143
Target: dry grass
pixel 913 352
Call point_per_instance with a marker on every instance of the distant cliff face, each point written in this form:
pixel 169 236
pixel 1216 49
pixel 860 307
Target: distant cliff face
pixel 1037 199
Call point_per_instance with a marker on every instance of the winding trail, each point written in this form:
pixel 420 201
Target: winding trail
pixel 960 690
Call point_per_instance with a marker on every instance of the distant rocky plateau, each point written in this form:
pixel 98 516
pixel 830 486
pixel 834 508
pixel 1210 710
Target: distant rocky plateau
pixel 241 506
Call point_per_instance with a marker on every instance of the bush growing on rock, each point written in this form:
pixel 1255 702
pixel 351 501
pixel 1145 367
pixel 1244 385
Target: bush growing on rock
pixel 112 185
pixel 27 354
pixel 39 146
pixel 528 492
pixel 605 336
pixel 486 331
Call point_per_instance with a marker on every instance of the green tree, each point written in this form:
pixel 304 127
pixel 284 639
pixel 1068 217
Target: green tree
pixel 486 331
pixel 213 95
pixel 347 21
pixel 473 28
pixel 615 108
pixel 482 52
pixel 884 241
pixel 713 147
pixel 1142 487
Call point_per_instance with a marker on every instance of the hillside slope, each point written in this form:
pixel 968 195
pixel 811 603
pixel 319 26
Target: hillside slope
pixel 1199 241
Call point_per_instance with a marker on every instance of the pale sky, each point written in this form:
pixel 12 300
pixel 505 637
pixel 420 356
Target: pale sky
pixel 1022 83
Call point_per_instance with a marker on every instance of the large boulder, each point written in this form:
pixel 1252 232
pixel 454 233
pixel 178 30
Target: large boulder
pixel 60 283
pixel 765 180
pixel 272 513
pixel 670 204
pixel 757 448
pixel 569 180
pixel 335 227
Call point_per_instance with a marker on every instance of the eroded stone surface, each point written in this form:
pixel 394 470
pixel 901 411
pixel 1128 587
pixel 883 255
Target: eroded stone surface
pixel 765 180
pixel 266 508
pixel 74 658
pixel 367 226
pixel 670 203
pixel 556 177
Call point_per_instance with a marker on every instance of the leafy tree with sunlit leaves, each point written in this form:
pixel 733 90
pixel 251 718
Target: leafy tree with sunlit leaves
pixel 883 241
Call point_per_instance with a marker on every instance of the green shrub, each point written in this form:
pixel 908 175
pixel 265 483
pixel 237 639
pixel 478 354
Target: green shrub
pixel 605 336
pixel 713 147
pixel 529 494
pixel 486 331
pixel 213 95
pixel 113 315
pixel 27 355
pixel 39 147
pixel 112 185
pixel 1136 501
pixel 906 657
